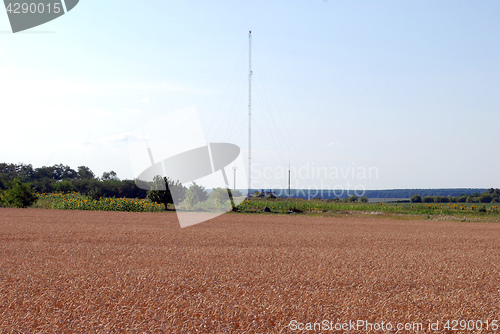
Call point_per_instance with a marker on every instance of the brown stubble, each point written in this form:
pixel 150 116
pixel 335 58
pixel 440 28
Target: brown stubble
pixel 101 272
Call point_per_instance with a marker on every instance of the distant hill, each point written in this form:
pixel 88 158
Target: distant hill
pixel 407 193
pixel 387 193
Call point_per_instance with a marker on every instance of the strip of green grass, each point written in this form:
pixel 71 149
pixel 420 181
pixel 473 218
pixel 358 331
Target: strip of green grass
pixel 320 206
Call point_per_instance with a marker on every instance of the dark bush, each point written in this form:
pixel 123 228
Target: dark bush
pixel 19 195
pixel 95 194
pixel 271 196
pixel 444 199
pixel 427 199
pixel 416 199
pixel 258 194
pixel 485 198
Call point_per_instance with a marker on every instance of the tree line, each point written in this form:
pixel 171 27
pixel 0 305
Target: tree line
pixel 62 178
pixel 407 193
pixel 490 196
pixel 20 183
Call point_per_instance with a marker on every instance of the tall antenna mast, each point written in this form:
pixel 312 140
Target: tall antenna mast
pixel 249 112
pixel 288 180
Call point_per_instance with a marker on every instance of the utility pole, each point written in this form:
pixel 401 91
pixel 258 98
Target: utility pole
pixel 249 112
pixel 288 180
pixel 234 168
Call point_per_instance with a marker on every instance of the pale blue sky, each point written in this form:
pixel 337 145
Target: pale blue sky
pixel 410 88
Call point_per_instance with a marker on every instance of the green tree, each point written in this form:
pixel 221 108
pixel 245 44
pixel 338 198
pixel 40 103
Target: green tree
pixel 443 199
pixel 7 172
pixel 129 189
pixel 84 173
pixel 471 199
pixel 64 186
pixel 95 194
pixel 363 199
pixel 19 195
pixel 191 198
pixel 195 194
pixel 485 198
pixel 109 176
pixel 86 185
pixel 45 172
pixel 110 188
pixel 353 198
pixel 165 191
pixel 24 172
pixel 44 185
pixel 427 199
pixel 416 199
pixel 219 195
pixel 200 192
pixel 62 172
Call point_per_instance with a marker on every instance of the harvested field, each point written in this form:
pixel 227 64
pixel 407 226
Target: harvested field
pixel 111 272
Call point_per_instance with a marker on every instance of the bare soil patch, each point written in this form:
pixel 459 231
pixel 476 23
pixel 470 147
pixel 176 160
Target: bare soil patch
pixel 104 272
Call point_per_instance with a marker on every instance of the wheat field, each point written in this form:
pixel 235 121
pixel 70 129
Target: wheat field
pixel 118 272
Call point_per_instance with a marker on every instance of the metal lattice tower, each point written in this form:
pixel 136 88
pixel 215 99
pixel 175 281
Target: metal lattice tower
pixel 249 112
